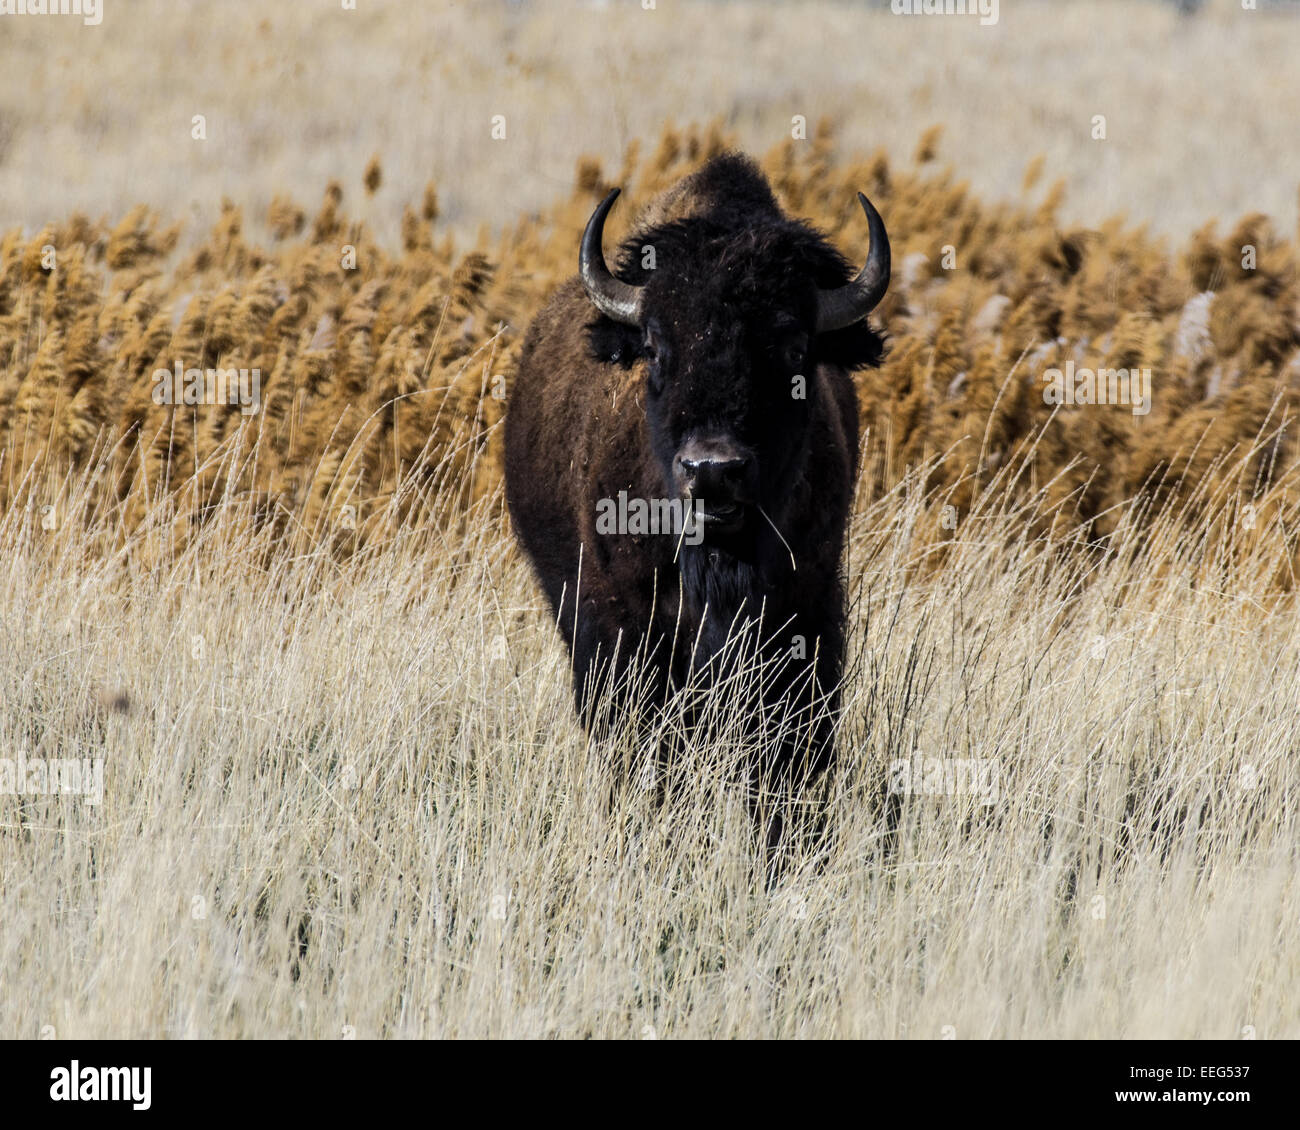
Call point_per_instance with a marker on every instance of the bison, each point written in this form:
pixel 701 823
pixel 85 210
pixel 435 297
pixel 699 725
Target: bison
pixel 710 367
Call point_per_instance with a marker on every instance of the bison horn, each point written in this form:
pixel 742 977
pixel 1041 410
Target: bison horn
pixel 612 297
pixel 850 303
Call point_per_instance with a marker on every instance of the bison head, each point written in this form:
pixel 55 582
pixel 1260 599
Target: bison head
pixel 732 314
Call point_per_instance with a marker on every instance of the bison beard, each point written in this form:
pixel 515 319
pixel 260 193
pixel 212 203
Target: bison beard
pixel 713 365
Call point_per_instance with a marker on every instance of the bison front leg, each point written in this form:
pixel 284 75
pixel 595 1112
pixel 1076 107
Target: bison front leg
pixel 620 683
pixel 620 687
pixel 804 703
pixel 802 710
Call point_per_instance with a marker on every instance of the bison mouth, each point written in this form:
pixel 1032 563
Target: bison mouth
pixel 717 475
pixel 722 517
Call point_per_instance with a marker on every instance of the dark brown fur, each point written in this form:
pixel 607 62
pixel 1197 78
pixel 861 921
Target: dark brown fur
pixel 732 300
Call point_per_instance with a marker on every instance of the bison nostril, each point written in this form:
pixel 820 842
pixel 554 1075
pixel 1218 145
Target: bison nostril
pixel 733 472
pixel 729 473
pixel 715 472
pixel 715 476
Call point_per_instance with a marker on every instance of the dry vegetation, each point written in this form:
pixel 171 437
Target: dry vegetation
pixel 344 790
pixel 343 785
pixel 370 778
pixel 384 380
pixel 295 94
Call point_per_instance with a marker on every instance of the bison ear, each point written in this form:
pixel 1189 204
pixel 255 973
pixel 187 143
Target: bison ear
pixel 614 343
pixel 854 347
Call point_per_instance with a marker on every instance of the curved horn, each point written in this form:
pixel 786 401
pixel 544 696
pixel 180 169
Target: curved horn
pixel 612 297
pixel 850 303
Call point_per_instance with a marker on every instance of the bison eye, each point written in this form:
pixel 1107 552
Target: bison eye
pixel 794 352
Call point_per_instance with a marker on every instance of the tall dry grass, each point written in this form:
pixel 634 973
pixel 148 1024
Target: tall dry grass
pixel 1199 110
pixel 349 796
pixel 380 368
pixel 344 789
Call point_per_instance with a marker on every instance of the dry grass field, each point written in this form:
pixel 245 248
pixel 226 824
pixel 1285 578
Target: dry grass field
pixel 352 795
pixel 296 94
pixel 343 790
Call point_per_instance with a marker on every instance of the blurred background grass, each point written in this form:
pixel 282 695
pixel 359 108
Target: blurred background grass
pixel 1200 109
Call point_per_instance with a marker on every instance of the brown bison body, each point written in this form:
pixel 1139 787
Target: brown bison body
pixel 712 367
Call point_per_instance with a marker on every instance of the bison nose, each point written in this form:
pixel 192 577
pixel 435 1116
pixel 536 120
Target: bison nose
pixel 710 477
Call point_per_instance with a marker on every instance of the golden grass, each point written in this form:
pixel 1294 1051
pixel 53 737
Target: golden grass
pixel 350 795
pixel 380 379
pixel 344 789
